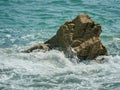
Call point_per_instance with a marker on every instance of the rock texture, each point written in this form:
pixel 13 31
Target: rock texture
pixel 80 36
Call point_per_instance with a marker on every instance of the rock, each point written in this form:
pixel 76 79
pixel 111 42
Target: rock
pixel 41 46
pixel 81 37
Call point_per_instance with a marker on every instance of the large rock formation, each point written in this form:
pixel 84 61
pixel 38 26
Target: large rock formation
pixel 80 36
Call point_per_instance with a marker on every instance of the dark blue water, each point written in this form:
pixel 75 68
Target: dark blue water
pixel 26 22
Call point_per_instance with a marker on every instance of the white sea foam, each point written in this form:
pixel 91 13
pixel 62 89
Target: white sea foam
pixel 53 71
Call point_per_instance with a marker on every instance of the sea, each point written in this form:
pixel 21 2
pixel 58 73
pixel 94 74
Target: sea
pixel 24 23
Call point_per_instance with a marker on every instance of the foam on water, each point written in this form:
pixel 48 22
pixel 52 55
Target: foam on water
pixel 53 71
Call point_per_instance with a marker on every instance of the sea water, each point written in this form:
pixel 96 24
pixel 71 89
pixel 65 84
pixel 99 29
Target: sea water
pixel 24 23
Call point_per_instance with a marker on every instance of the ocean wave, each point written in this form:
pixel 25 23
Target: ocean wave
pixel 52 70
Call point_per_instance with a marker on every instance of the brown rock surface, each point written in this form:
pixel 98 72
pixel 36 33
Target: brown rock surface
pixel 80 36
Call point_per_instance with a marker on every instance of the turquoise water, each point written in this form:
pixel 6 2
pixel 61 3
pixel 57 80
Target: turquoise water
pixel 26 22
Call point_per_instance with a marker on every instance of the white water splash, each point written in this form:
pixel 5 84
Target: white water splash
pixel 53 71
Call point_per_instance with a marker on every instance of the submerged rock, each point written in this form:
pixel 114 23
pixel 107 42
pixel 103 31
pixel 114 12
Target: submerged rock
pixel 41 46
pixel 81 37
